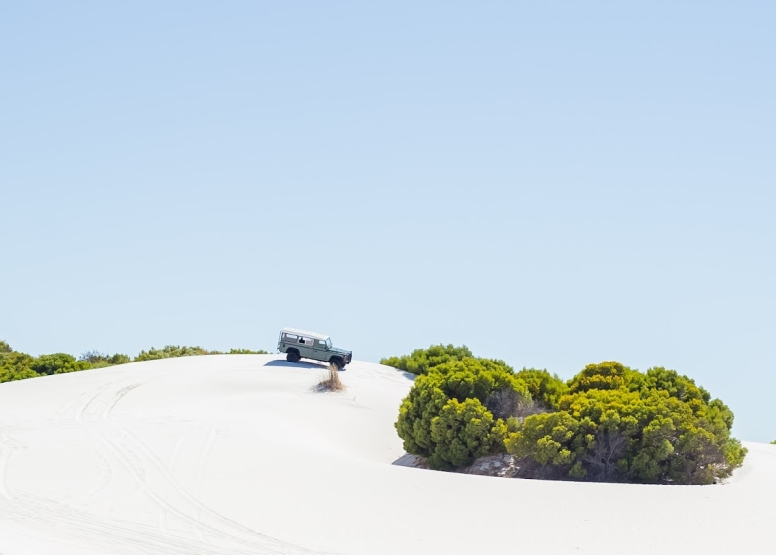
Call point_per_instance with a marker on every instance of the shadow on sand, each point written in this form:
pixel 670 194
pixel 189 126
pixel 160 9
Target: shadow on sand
pixel 412 461
pixel 301 364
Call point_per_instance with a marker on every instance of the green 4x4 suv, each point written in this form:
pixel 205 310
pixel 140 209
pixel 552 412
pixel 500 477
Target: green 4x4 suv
pixel 298 344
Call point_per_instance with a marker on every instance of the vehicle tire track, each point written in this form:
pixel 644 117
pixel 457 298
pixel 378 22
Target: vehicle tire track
pixel 138 459
pixel 8 450
pixel 199 508
pixel 195 503
pixel 118 397
pixel 234 531
pixel 119 536
pixel 79 415
pixel 125 452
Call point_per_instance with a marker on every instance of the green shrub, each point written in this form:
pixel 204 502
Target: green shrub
pixel 464 431
pixel 174 351
pixel 680 387
pixel 547 439
pixel 445 417
pixel 57 363
pixel 97 359
pixel 170 351
pixel 13 374
pixel 617 424
pixel 545 388
pixel 14 366
pixel 19 366
pixel 604 375
pixel 422 360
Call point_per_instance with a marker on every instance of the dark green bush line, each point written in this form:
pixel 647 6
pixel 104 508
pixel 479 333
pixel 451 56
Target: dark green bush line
pixel 608 423
pixel 19 366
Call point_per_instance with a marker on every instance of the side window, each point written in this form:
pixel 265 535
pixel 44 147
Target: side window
pixel 289 337
pixel 304 341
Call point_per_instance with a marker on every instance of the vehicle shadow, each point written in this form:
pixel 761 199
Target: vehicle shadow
pixel 301 364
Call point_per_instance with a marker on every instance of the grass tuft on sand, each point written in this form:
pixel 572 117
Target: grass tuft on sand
pixel 331 380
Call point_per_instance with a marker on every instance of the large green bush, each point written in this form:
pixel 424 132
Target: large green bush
pixel 617 424
pixel 446 416
pixel 608 423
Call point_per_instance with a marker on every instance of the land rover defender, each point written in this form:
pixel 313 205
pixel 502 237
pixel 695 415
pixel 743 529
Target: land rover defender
pixel 299 344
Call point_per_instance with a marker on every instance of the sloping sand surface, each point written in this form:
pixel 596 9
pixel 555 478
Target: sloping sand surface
pixel 237 454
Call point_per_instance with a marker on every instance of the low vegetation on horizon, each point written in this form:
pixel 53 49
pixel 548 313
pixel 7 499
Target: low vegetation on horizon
pixel 15 365
pixel 608 423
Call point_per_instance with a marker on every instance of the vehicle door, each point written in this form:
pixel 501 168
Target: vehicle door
pixel 287 340
pixel 305 346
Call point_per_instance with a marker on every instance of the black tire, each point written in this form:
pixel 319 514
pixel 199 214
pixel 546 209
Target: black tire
pixel 338 363
pixel 293 356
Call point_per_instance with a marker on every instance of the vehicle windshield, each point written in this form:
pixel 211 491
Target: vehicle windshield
pixel 328 343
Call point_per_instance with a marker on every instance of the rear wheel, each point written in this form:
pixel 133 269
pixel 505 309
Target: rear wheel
pixel 293 356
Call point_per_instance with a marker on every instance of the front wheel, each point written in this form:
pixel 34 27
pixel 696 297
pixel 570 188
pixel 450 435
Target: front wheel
pixel 292 356
pixel 338 363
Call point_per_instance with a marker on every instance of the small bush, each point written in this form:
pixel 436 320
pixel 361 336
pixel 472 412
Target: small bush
pixel 170 351
pixel 246 352
pixel 422 360
pixel 97 359
pixel 15 366
pixel 58 363
pixel 331 381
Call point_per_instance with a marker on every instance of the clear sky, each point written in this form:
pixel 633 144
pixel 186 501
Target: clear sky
pixel 551 184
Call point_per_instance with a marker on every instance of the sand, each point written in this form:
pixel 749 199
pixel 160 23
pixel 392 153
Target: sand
pixel 238 454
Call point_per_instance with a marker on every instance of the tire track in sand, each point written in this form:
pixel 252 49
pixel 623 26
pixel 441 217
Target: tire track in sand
pixel 151 475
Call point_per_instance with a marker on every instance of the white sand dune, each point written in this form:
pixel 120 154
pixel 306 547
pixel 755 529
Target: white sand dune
pixel 237 455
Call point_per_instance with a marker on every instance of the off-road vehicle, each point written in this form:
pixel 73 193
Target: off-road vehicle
pixel 298 344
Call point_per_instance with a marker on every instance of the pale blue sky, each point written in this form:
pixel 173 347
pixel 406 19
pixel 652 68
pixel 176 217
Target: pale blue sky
pixel 551 184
